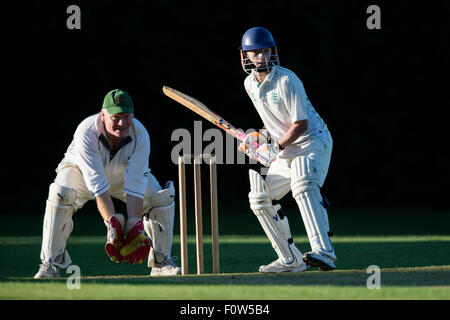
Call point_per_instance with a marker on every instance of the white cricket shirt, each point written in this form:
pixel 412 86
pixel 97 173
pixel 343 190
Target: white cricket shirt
pixel 280 101
pixel 127 169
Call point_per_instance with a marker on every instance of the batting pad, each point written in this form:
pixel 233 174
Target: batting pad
pixel 275 226
pixel 158 224
pixel 305 190
pixel 58 225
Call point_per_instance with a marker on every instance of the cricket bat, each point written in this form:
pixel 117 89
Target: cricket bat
pixel 214 118
pixel 203 111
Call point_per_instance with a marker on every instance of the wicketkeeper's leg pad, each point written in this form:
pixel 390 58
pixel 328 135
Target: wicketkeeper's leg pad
pixel 158 224
pixel 306 192
pixel 274 223
pixel 58 225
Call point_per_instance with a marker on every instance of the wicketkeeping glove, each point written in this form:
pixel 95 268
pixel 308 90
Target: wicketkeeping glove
pixel 136 246
pixel 114 238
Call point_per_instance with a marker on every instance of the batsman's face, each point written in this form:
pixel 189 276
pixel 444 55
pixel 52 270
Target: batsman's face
pixel 117 125
pixel 260 57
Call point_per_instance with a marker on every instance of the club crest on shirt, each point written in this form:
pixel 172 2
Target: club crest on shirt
pixel 275 99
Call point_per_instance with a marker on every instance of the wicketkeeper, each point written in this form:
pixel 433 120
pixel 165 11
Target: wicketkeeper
pixel 299 156
pixel 107 158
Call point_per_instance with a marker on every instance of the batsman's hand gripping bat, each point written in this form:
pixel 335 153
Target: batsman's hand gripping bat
pixel 209 115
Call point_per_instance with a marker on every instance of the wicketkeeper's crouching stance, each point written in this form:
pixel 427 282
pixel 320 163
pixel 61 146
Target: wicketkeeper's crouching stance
pixel 299 156
pixel 108 157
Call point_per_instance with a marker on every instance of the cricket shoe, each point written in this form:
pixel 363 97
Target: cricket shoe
pixel 167 268
pixel 47 271
pixel 277 267
pixel 319 260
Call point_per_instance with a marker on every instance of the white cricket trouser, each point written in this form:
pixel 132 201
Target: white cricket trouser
pixel 70 176
pixel 319 149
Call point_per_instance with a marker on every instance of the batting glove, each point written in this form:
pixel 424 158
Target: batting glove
pixel 267 153
pixel 251 142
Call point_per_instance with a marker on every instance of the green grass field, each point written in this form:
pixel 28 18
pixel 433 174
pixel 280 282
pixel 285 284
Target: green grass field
pixel 413 265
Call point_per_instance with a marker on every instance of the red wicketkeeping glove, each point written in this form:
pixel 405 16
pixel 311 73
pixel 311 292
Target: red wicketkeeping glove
pixel 114 238
pixel 136 246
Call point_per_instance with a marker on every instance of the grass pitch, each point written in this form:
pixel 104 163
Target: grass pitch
pixel 410 247
pixel 412 267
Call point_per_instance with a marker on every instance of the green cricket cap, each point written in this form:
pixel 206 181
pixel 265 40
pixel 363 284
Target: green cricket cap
pixel 118 101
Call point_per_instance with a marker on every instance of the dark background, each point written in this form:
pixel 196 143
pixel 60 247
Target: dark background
pixel 383 93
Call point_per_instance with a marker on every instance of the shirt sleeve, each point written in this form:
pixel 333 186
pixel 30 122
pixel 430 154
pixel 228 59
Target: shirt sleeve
pixel 296 99
pixel 90 162
pixel 137 171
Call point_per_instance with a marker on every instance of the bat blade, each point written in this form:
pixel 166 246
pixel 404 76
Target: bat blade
pixel 202 110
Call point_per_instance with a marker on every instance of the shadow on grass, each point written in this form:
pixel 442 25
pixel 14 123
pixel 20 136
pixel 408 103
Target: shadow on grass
pixel 437 276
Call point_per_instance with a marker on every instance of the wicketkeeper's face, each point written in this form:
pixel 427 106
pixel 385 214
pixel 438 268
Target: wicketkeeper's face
pixel 117 124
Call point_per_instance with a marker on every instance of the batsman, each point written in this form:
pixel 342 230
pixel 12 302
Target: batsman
pixel 299 150
pixel 108 157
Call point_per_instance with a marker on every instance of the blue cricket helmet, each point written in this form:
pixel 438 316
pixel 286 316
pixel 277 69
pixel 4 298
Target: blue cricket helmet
pixel 257 38
pixel 254 39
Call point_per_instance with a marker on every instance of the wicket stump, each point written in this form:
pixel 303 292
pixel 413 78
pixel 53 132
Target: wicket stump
pixel 198 212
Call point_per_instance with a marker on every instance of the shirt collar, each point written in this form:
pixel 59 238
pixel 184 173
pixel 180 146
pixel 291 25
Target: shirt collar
pixel 269 77
pixel 123 143
pixel 101 133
